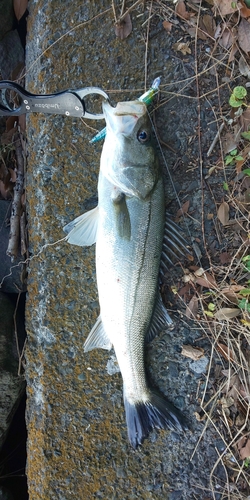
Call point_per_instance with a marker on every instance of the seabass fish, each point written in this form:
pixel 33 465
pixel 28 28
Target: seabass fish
pixel 128 228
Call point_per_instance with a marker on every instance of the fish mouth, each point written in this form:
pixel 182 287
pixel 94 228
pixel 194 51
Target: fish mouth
pixel 123 118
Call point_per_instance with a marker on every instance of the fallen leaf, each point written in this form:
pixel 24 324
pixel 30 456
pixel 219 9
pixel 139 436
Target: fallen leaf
pixel 199 417
pixel 244 67
pixel 207 24
pixel 180 10
pixel 224 7
pixel 223 213
pixel 10 123
pixel 194 353
pixel 239 164
pixel 226 39
pixel 226 352
pixel 245 120
pixel 245 450
pixel 227 313
pixel 20 7
pixel 244 35
pixel 230 142
pixel 182 47
pixel 192 307
pixel 244 11
pixel 124 27
pixel 183 210
pixel 225 258
pixel 243 201
pixel 167 26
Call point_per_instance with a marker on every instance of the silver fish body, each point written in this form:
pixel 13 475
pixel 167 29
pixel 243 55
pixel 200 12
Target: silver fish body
pixel 129 233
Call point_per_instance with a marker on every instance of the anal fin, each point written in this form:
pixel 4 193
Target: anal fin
pixel 160 319
pixel 97 338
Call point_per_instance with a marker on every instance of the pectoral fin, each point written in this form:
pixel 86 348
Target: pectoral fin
pixel 160 319
pixel 82 230
pixel 97 338
pixel 122 218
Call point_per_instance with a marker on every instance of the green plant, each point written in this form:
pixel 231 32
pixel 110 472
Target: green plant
pixel 233 157
pixel 237 97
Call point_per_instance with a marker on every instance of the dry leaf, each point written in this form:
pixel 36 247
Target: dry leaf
pixel 239 163
pixel 243 201
pixel 224 7
pixel 183 210
pixel 207 24
pixel 192 307
pixel 244 68
pixel 230 142
pixel 245 120
pixel 181 10
pixel 20 7
pixel 194 353
pixel 244 35
pixel 245 450
pixel 10 123
pixel 223 213
pixel 244 11
pixel 227 313
pixel 167 26
pixel 226 352
pixel 124 27
pixel 182 47
pixel 226 39
pixel 225 258
pixel 230 292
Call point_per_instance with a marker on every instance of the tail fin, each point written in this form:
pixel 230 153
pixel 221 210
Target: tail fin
pixel 156 412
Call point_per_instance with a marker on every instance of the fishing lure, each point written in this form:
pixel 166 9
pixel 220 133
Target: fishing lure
pixel 147 97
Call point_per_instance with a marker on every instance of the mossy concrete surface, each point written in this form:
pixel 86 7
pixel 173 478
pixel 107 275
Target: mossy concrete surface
pixel 77 438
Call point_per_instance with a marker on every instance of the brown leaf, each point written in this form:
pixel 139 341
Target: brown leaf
pixel 225 258
pixel 183 210
pixel 245 118
pixel 20 7
pixel 230 292
pixel 182 47
pixel 243 201
pixel 223 213
pixel 207 24
pixel 239 163
pixel 10 123
pixel 194 353
pixel 192 307
pixel 244 68
pixel 224 7
pixel 227 313
pixel 245 450
pixel 181 10
pixel 244 35
pixel 229 142
pixel 226 352
pixel 167 26
pixel 244 11
pixel 226 39
pixel 124 27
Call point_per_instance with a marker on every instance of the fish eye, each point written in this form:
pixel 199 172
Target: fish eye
pixel 143 136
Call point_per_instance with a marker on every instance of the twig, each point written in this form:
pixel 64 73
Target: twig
pixel 114 12
pixel 12 249
pixel 215 139
pixel 129 10
pixel 23 234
